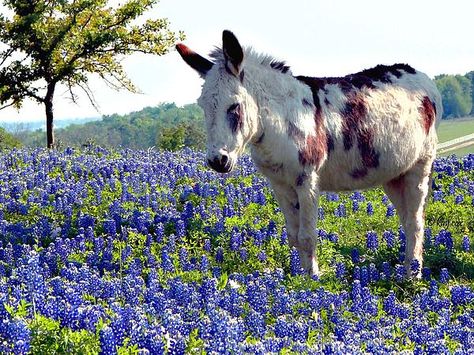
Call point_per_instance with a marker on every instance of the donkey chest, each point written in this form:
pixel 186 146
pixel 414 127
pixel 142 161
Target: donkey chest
pixel 276 165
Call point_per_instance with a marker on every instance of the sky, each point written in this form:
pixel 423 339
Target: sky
pixel 315 37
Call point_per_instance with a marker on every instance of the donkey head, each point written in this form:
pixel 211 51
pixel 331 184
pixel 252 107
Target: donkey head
pixel 230 110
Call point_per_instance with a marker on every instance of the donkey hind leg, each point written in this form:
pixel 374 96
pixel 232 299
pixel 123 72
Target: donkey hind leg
pixel 409 195
pixel 289 206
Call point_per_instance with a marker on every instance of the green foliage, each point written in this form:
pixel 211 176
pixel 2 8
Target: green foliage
pixel 456 93
pixel 7 141
pixel 470 76
pixel 61 42
pixel 172 138
pixel 49 337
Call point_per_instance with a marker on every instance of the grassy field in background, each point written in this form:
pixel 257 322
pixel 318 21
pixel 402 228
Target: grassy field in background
pixel 451 129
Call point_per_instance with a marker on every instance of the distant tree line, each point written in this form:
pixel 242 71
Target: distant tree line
pixel 457 92
pixel 165 126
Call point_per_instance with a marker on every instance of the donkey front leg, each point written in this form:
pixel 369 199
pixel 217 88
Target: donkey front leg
pixel 289 206
pixel 308 196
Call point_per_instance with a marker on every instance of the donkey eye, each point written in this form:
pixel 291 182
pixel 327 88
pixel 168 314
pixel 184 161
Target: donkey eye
pixel 234 108
pixel 234 116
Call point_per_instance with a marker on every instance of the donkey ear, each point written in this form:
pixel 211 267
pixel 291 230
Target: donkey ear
pixel 194 60
pixel 233 53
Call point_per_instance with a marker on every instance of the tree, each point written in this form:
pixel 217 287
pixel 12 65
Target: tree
pixel 470 76
pixel 51 42
pixel 456 95
pixel 195 136
pixel 172 138
pixel 8 141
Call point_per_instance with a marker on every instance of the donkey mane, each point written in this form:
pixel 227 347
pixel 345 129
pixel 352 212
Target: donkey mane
pixel 364 78
pixel 255 58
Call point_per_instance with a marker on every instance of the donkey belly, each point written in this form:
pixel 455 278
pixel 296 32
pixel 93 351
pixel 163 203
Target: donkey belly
pixel 394 148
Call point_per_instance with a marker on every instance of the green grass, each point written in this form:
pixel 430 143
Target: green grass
pixel 451 129
pixel 459 152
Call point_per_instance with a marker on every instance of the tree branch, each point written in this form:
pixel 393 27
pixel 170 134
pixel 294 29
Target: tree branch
pixel 9 105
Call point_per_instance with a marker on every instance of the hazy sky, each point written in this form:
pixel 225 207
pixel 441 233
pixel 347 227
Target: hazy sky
pixel 318 37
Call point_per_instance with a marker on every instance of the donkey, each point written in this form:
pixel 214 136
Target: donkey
pixel 308 134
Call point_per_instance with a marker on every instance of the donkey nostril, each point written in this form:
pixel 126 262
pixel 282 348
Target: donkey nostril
pixel 224 160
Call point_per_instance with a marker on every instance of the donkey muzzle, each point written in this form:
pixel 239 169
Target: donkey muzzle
pixel 221 164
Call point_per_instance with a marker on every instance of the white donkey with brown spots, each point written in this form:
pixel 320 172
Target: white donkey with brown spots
pixel 308 135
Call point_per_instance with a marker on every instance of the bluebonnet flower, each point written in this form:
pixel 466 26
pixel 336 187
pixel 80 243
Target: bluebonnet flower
pixel 257 297
pixel 220 255
pixel 369 209
pixel 356 290
pixel 333 237
pixel 444 275
pixel 364 276
pixel 183 259
pixel 236 240
pixel 355 206
pixel 166 261
pixel 459 199
pixel 262 256
pixel 283 237
pixel 438 195
pixel 180 228
pixel 451 189
pixel 322 234
pixel 356 275
pixel 207 245
pixel 386 270
pixel 283 328
pixel 415 266
pixel 389 238
pixel 461 295
pixel 372 241
pixel 255 323
pixel 444 238
pixel 340 270
pixel 389 304
pixel 295 263
pixel 85 221
pixel 258 238
pixel 320 213
pixel 204 263
pixel 466 243
pixel 109 227
pixel 390 211
pixel 355 255
pixel 374 274
pixel 19 336
pixel 340 211
pixel 400 273
pixel 243 254
pixel 332 196
pixel 426 273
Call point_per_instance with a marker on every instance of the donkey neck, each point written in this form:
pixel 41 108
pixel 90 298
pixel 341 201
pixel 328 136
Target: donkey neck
pixel 280 98
pixel 283 102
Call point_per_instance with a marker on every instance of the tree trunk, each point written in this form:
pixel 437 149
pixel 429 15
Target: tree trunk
pixel 48 102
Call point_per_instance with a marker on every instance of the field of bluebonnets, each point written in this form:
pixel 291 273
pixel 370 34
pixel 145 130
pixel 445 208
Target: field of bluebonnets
pixel 145 252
